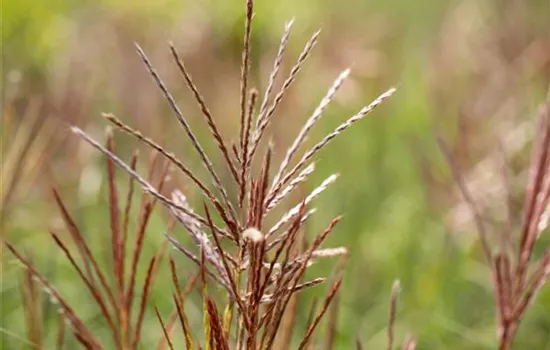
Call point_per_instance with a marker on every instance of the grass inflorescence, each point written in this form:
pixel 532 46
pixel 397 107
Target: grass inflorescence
pixel 260 267
pixel 250 261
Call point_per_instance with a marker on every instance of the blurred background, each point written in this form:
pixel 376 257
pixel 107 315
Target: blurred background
pixel 474 70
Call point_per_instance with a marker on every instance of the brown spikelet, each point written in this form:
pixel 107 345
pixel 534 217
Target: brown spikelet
pixel 30 295
pixel 244 153
pixel 318 146
pixel 179 297
pixel 538 193
pixel 114 217
pixel 82 333
pixel 143 302
pixel 184 323
pixel 294 276
pixel 232 283
pixel 333 290
pixel 76 236
pixel 274 72
pixel 92 289
pixel 170 156
pixel 310 123
pixel 126 220
pixel 164 331
pixel 184 123
pixel 205 111
pixel 89 261
pixel 60 336
pixel 334 307
pixel 393 312
pixel 245 67
pixel 264 119
pixel 146 185
pixel 146 210
pixel 216 328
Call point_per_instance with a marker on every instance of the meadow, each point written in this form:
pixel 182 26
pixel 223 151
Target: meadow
pixel 442 184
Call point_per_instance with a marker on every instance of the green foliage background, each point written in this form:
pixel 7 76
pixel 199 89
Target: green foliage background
pixel 467 67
